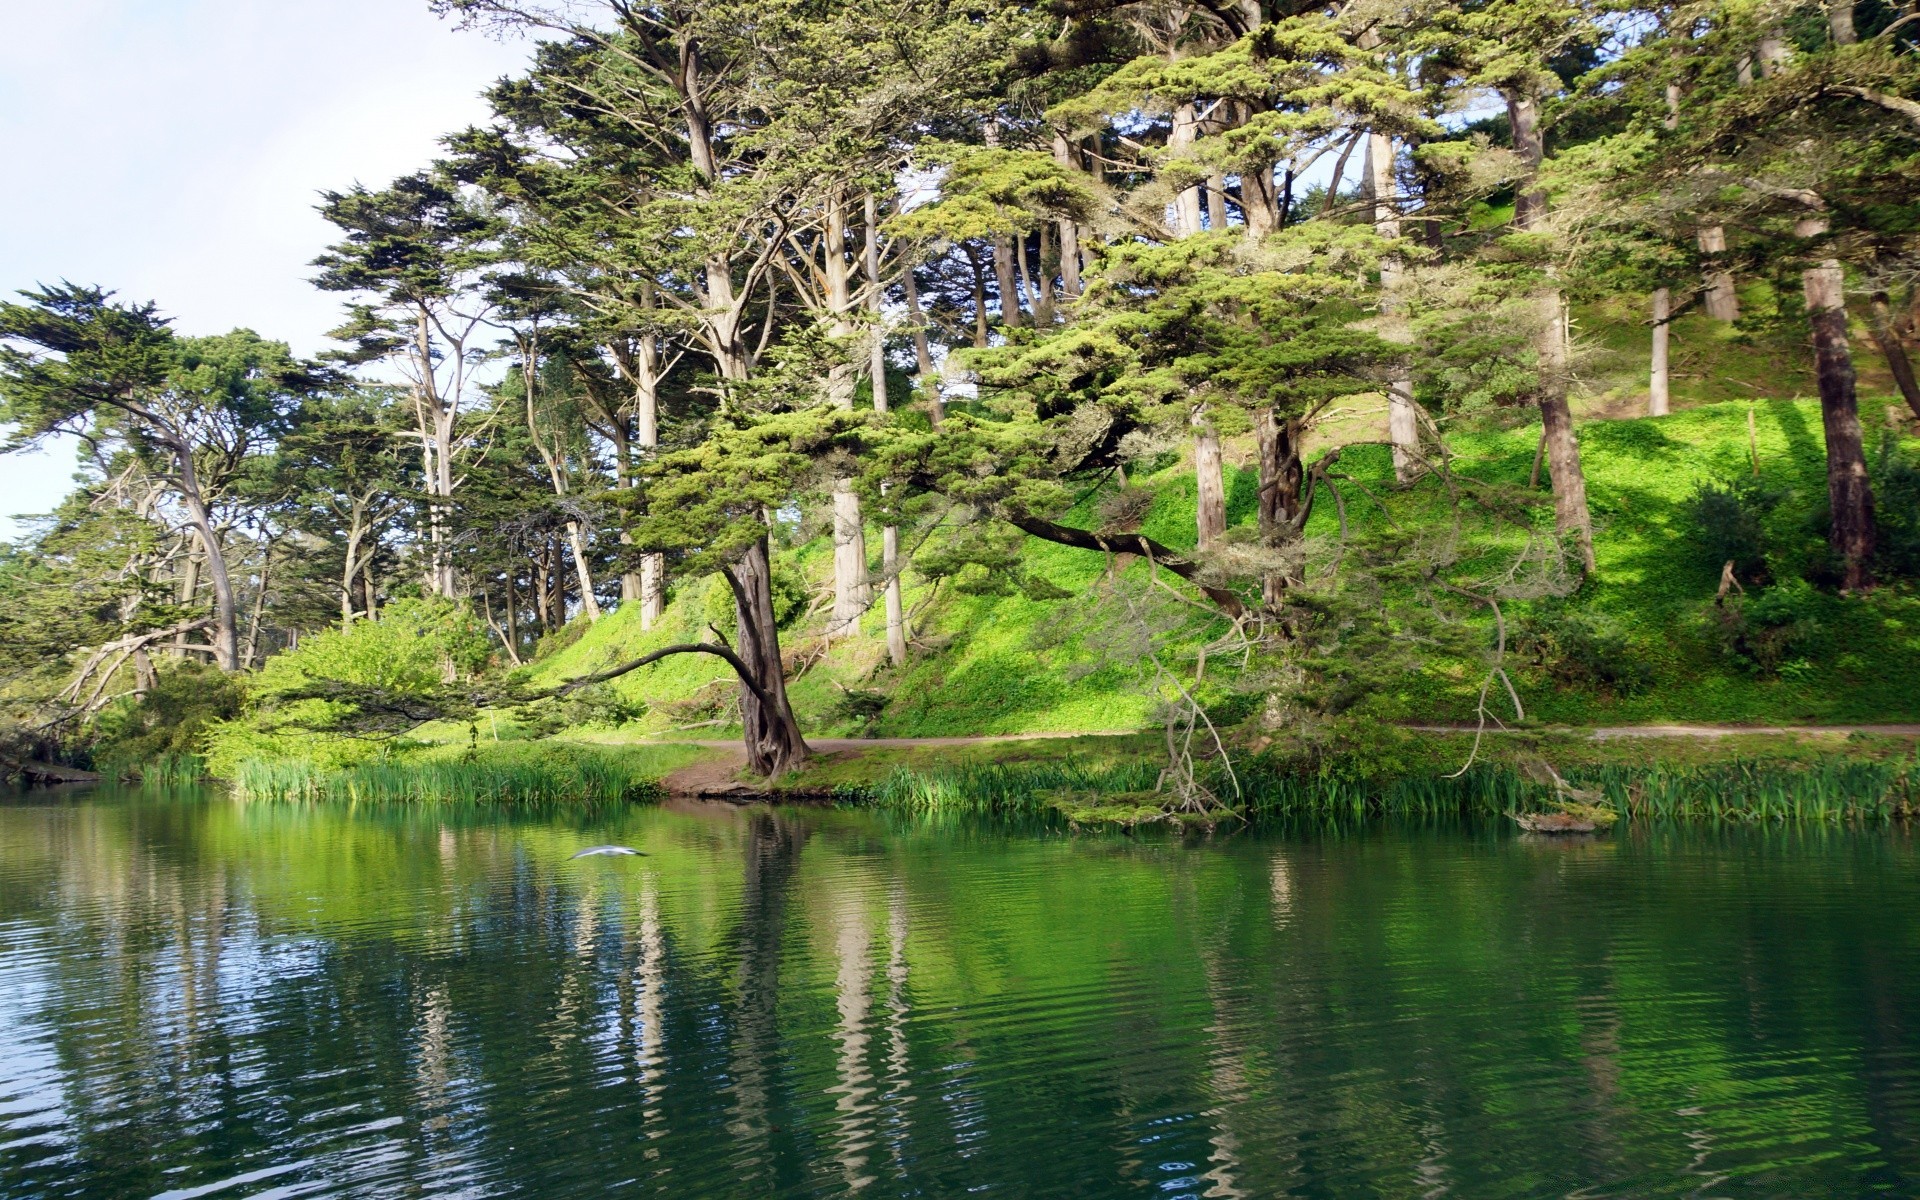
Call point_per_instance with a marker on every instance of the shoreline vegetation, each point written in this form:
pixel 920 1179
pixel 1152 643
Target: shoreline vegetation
pixel 685 415
pixel 1112 780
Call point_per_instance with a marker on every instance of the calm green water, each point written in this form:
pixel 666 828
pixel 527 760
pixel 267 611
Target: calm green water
pixel 201 998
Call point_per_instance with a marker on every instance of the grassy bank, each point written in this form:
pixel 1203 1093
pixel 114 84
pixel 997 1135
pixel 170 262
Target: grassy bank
pixel 1752 778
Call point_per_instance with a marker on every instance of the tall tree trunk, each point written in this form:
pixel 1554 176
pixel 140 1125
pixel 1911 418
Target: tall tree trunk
pixel 890 563
pixel 922 353
pixel 1889 336
pixel 1720 299
pixel 1210 508
pixel 1003 281
pixel 1658 399
pixel 259 607
pixel 356 531
pixel 226 637
pixel 1403 422
pixel 773 741
pixel 1849 491
pixel 543 588
pixel 1187 204
pixel 1282 499
pixel 889 535
pixel 189 588
pixel 577 542
pixel 653 567
pixel 1065 154
pixel 1840 22
pixel 852 594
pixel 1529 202
pixel 1571 518
pixel 1260 201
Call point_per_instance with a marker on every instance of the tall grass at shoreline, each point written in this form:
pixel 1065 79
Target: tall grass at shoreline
pixel 1753 790
pixel 580 776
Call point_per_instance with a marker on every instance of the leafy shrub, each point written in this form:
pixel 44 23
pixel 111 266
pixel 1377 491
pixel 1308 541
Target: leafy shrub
pixel 359 678
pixel 1580 649
pixel 1896 495
pixel 1770 632
pixel 859 707
pixel 790 597
pixel 170 720
pixel 596 705
pixel 1730 523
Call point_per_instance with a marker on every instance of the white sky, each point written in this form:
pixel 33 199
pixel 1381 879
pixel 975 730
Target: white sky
pixel 172 150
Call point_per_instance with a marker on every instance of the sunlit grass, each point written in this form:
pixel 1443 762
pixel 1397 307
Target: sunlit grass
pixel 554 775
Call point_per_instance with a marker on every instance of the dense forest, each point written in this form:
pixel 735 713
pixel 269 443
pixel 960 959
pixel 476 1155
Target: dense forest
pixel 1237 347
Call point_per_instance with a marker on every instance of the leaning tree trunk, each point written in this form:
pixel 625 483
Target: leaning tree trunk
pixel 773 741
pixel 1849 492
pixel 1659 398
pixel 1889 336
pixel 1571 518
pixel 226 626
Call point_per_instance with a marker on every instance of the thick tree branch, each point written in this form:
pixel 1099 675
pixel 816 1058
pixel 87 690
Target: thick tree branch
pixel 739 667
pixel 1128 543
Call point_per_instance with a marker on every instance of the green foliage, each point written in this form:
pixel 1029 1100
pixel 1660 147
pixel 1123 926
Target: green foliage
pixel 1581 649
pixel 373 678
pixel 509 774
pixel 1729 523
pixel 1771 631
pixel 169 722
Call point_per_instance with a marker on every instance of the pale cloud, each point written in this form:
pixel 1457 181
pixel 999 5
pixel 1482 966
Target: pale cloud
pixel 173 150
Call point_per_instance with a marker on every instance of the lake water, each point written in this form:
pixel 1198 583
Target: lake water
pixel 203 998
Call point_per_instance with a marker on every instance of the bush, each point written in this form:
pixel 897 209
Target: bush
pixel 1582 649
pixel 1771 632
pixel 1730 521
pixel 413 651
pixel 1896 495
pixel 170 721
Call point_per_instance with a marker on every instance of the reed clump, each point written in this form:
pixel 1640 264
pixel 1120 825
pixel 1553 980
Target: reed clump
pixel 167 770
pixel 577 777
pixel 1736 790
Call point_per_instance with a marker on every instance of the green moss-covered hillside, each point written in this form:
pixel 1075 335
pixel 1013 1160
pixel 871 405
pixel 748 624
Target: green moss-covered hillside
pixel 986 663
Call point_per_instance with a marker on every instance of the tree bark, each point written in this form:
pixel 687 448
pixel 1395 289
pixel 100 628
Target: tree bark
pixel 1403 423
pixel 1840 22
pixel 896 604
pixel 774 744
pixel 1210 509
pixel 1571 518
pixel 1283 500
pixel 1570 515
pixel 1849 492
pixel 1889 337
pixel 1658 399
pixel 1187 204
pixel 226 624
pixel 1721 301
pixel 1529 202
pixel 852 595
pixel 1259 202
pixel 890 535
